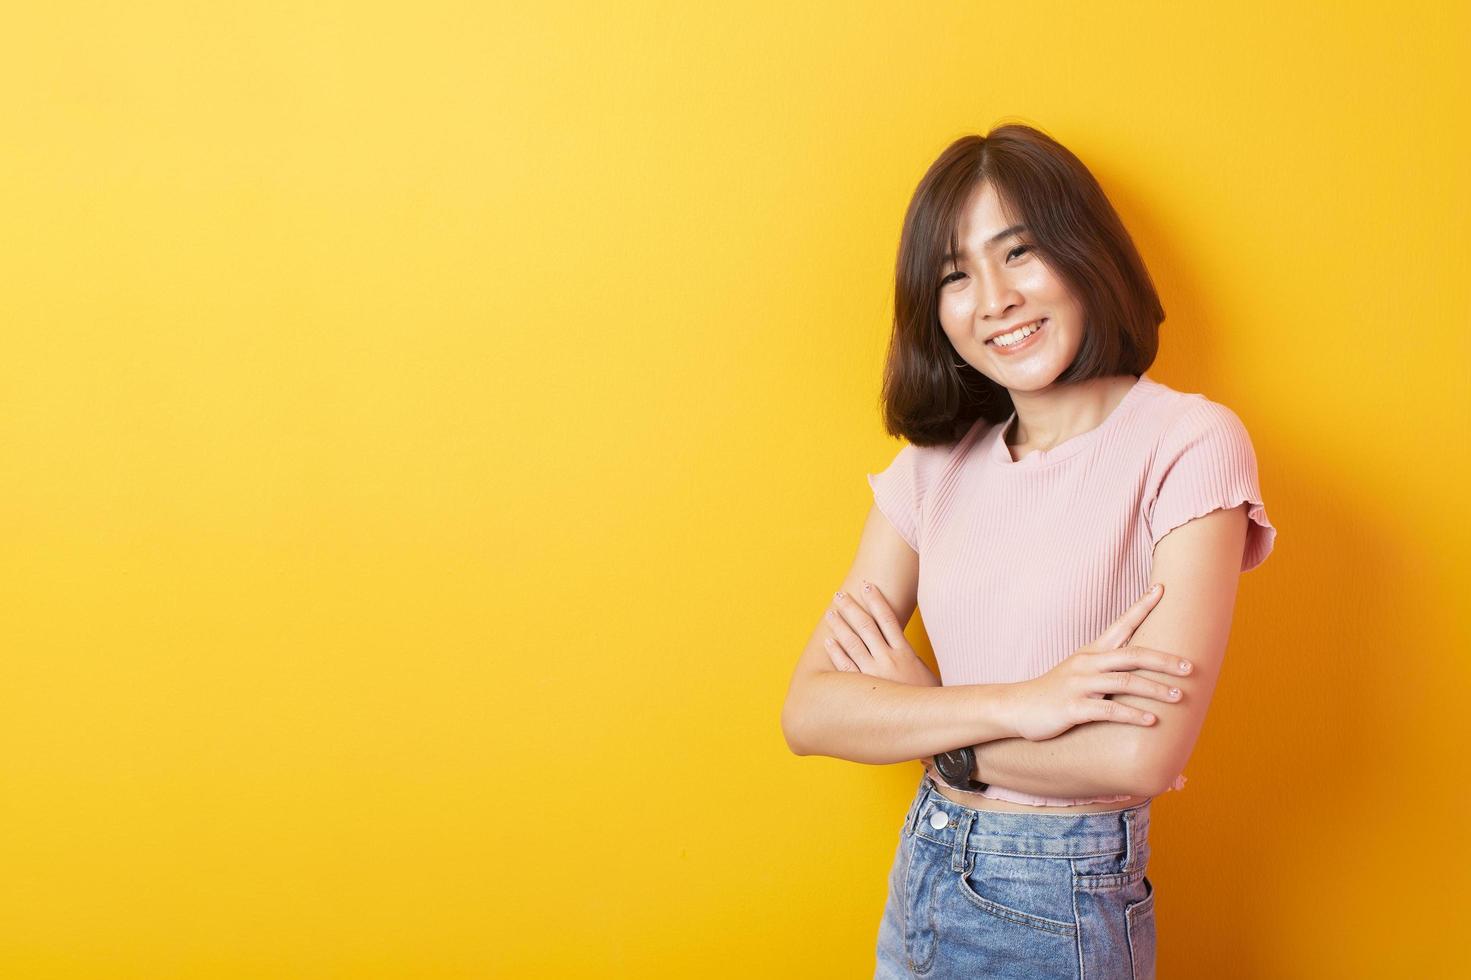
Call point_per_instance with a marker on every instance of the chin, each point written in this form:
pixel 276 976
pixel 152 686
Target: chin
pixel 1031 379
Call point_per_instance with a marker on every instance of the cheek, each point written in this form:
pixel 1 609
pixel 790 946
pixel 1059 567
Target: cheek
pixel 959 339
pixel 955 317
pixel 1070 339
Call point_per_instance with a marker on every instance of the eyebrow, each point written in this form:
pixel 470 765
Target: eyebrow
pixel 1007 233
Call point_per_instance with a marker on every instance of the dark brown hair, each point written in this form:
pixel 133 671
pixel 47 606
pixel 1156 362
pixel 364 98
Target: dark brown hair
pixel 930 395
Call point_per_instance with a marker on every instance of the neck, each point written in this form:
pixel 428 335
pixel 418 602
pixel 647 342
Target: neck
pixel 1058 412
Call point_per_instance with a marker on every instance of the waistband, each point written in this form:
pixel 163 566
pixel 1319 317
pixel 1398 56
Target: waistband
pixel 964 828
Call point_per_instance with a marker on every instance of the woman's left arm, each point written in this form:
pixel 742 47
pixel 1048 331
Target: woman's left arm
pixel 1199 563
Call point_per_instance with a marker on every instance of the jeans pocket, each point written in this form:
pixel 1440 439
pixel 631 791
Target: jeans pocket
pixel 1139 919
pixel 1026 891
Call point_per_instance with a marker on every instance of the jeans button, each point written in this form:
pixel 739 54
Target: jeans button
pixel 939 819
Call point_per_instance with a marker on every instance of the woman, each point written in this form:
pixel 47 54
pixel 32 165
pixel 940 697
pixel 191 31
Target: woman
pixel 1047 481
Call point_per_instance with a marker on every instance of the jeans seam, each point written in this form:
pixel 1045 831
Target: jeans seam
pixel 1078 921
pixel 1132 915
pixel 909 936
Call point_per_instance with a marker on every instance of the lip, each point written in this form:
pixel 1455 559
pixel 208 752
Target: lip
pixel 1041 321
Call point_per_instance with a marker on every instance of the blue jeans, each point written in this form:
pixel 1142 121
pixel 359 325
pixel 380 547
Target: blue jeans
pixel 975 893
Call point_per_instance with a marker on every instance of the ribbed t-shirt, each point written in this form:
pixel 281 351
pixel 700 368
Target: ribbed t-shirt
pixel 1022 562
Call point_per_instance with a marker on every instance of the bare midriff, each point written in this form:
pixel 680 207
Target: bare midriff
pixel 977 802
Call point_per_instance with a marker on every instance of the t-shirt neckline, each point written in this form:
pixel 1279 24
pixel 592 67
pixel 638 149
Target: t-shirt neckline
pixel 1000 453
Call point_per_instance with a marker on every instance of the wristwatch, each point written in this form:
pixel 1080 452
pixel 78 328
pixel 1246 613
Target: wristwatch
pixel 956 767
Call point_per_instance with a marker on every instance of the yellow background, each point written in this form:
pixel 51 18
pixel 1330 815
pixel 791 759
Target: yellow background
pixel 431 431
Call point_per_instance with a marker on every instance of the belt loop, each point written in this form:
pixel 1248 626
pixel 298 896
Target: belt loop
pixel 962 835
pixel 1140 828
pixel 1130 849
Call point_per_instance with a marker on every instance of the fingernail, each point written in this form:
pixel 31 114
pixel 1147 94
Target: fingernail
pixel 1174 692
pixel 837 595
pixel 1184 666
pixel 867 587
pixel 1154 588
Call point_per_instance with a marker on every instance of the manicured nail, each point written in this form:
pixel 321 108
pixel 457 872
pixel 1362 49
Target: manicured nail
pixel 1154 588
pixel 1184 667
pixel 837 595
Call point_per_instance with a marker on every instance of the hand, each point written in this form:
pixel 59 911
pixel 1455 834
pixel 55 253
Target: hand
pixel 1076 690
pixel 868 638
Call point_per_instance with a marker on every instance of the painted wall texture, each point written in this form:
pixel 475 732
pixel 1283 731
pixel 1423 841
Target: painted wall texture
pixel 429 433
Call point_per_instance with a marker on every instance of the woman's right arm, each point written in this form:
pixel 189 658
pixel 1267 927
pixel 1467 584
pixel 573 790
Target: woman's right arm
pixel 861 718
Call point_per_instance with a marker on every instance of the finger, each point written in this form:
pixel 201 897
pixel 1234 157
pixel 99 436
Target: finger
pixel 878 606
pixel 1132 657
pixel 1102 709
pixel 1121 629
pixel 1137 684
pixel 839 659
pixel 861 622
pixel 850 642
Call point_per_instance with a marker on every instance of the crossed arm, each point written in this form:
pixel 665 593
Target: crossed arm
pixel 1200 566
pixel 1097 758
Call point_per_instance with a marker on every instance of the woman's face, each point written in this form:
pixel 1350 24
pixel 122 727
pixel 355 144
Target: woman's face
pixel 995 286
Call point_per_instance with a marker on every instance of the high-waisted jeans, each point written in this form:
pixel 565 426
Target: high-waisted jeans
pixel 974 893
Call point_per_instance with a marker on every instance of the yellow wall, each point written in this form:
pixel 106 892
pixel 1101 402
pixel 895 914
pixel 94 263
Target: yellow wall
pixel 431 431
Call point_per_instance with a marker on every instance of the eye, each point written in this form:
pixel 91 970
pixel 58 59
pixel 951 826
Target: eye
pixel 1014 252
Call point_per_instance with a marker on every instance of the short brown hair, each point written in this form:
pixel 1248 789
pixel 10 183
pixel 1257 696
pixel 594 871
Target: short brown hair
pixel 930 395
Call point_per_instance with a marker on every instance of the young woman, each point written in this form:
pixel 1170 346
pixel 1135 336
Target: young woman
pixel 1047 483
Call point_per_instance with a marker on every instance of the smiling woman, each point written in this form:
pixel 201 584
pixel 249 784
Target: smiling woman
pixel 1047 481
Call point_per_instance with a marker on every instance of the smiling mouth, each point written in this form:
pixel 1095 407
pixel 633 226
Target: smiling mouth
pixel 1036 326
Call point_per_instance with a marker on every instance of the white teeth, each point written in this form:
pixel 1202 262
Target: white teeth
pixel 1016 336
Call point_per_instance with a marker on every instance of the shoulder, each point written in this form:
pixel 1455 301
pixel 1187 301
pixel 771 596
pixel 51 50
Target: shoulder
pixel 905 490
pixel 927 464
pixel 1174 420
pixel 1204 461
pixel 1203 423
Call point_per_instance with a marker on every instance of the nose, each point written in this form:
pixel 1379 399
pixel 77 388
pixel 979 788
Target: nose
pixel 997 296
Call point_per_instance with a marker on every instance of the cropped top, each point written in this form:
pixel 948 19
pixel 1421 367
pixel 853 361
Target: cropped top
pixel 1022 562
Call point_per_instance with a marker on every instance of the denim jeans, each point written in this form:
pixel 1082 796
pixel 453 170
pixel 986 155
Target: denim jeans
pixel 974 893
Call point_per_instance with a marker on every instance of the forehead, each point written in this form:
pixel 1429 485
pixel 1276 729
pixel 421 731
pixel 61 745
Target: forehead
pixel 982 224
pixel 981 218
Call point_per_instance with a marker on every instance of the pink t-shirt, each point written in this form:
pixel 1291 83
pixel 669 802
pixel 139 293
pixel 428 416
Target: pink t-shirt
pixel 1021 562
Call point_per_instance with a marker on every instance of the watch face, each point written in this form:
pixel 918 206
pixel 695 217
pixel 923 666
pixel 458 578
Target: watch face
pixel 953 765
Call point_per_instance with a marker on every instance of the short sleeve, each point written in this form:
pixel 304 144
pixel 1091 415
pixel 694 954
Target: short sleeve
pixel 899 491
pixel 1206 462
